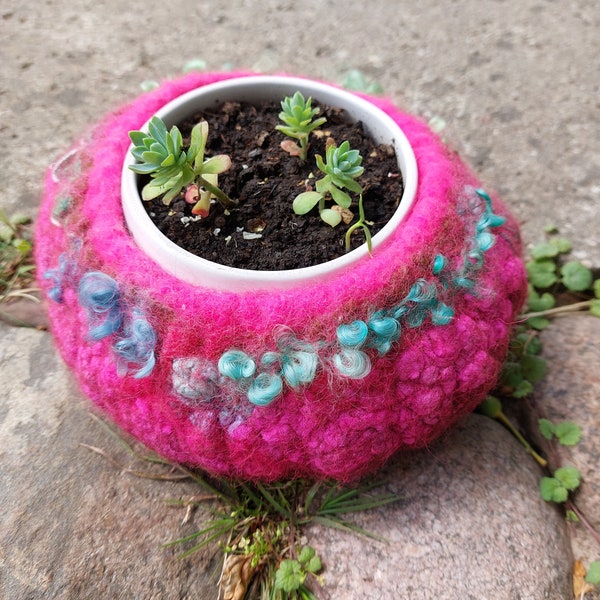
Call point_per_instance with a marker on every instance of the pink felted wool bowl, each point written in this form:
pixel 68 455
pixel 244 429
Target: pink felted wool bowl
pixel 321 380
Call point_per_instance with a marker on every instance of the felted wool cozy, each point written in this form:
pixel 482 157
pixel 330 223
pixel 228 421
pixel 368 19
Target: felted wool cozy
pixel 323 380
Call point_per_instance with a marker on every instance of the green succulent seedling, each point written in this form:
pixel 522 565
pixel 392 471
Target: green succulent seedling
pixel 297 115
pixel 342 167
pixel 360 224
pixel 160 154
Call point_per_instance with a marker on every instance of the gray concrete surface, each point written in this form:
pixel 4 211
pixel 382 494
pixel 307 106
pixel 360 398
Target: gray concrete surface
pixel 516 82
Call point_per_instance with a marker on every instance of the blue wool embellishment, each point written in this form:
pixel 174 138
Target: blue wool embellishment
pixel 58 276
pixel 421 291
pixel 484 240
pixel 384 327
pixel 352 335
pixel 352 363
pixel 438 264
pixel 441 314
pixel 383 332
pixel 464 282
pixel 137 347
pixel 299 367
pixel 270 358
pixel 236 364
pixel 99 294
pixel 264 389
pixel 195 379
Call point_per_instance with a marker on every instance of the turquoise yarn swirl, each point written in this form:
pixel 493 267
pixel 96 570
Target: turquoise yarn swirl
pixel 264 389
pixel 352 363
pixel 236 365
pixel 482 241
pixel 99 295
pixel 137 347
pixel 352 335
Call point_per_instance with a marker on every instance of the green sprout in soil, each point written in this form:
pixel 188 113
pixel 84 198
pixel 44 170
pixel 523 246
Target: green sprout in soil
pixel 161 155
pixel 361 223
pixel 297 115
pixel 341 168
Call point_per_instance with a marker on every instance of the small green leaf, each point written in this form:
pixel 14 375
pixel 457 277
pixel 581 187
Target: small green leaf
pixel 148 85
pixel 523 389
pixel 355 80
pixel 6 233
pixel 562 244
pixel 158 130
pixel 216 164
pixel 539 302
pixel 544 250
pixel 20 219
pixel 571 516
pixel 541 273
pixel 593 574
pixel 546 428
pixel 596 288
pixel 576 277
pixel 331 217
pixel 305 202
pixel 511 374
pixel 306 554
pixel 490 407
pixel 289 577
pixel 533 367
pixel 568 433
pixel 339 197
pixel 195 64
pixel 23 246
pixel 595 308
pixel 538 323
pixel 313 565
pixel 533 345
pixel 569 477
pixel 552 490
pixel 551 229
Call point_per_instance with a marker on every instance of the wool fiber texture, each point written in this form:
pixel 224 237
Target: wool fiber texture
pixel 156 365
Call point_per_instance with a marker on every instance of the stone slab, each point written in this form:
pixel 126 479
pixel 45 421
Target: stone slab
pixel 470 525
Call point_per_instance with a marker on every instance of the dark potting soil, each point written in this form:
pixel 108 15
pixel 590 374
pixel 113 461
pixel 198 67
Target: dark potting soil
pixel 265 180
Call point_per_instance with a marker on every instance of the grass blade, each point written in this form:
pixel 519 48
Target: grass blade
pixel 269 497
pixel 347 527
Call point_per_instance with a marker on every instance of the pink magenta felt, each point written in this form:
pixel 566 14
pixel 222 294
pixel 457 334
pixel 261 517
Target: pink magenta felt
pixel 333 427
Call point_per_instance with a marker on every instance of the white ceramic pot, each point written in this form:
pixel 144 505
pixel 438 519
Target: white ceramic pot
pixel 199 271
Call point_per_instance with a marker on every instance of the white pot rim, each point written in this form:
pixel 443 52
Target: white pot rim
pixel 202 272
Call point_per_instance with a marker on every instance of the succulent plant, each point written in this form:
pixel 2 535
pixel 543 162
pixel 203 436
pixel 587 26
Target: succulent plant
pixel 297 115
pixel 160 154
pixel 342 166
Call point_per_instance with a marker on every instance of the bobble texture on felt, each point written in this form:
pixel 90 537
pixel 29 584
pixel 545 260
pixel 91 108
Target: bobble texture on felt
pixel 324 380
